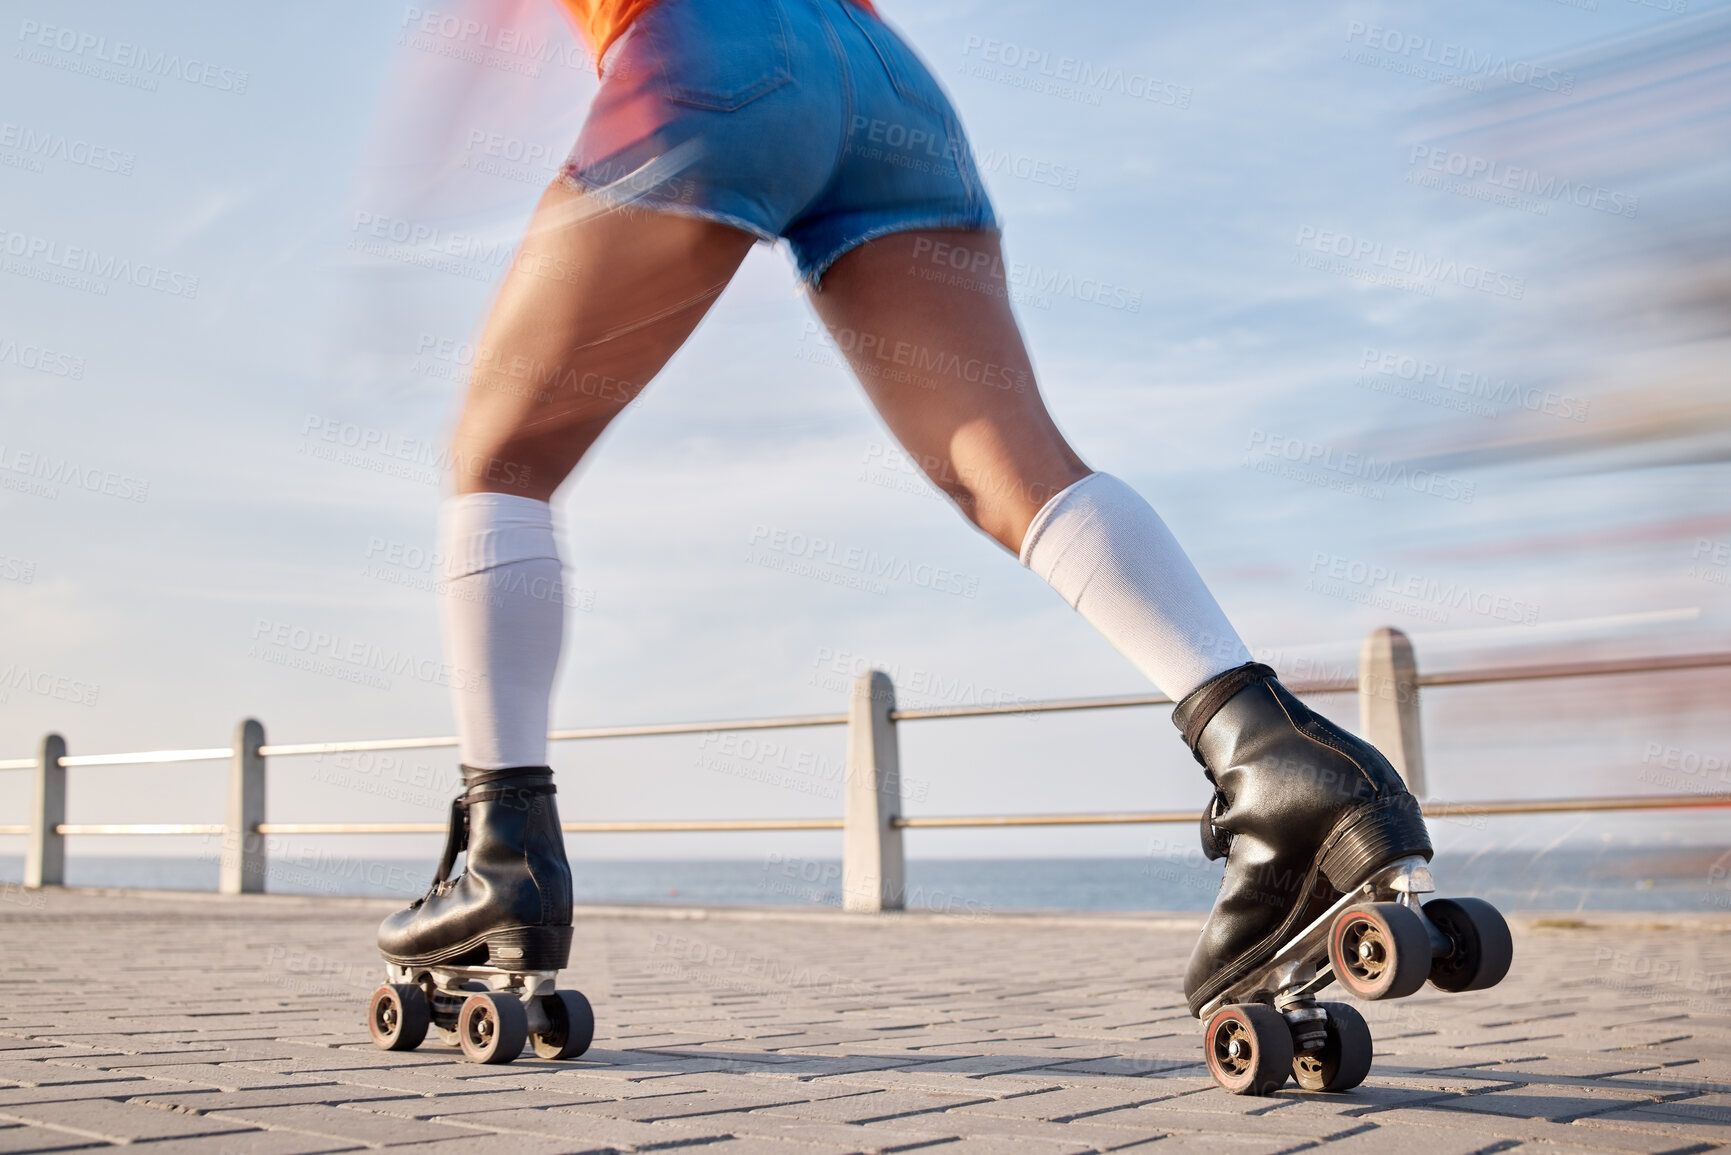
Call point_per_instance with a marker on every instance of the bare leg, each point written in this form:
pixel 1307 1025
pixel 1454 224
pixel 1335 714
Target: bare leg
pixel 944 364
pixel 594 306
pixel 947 370
pixel 596 302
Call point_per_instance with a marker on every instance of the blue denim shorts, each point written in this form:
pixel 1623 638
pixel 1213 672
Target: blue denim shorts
pixel 805 119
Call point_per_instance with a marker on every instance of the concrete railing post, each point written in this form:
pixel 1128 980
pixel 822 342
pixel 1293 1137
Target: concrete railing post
pixel 1388 713
pixel 872 877
pixel 45 857
pixel 243 861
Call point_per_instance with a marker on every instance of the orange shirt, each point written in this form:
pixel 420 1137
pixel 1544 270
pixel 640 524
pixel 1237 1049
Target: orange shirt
pixel 601 21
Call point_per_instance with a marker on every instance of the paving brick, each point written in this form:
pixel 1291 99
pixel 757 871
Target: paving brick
pixel 1590 1133
pixel 921 1132
pixel 356 1125
pixel 1214 1143
pixel 1021 1145
pixel 246 1143
pixel 694 1104
pixel 37 1073
pixel 1373 1140
pixel 513 1143
pixel 759 1145
pixel 110 1088
pixel 601 1132
pixel 47 1053
pixel 113 1122
pixel 222 1076
pixel 1554 1104
pixel 1186 1117
pixel 200 1100
pixel 918 1079
pixel 1083 1132
pixel 467 1102
pixel 1669 1120
pixel 16 1138
pixel 875 1106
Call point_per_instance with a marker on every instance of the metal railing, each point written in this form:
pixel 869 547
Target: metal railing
pixel 1387 684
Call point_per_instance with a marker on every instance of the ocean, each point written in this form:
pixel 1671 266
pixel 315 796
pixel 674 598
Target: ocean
pixel 1566 879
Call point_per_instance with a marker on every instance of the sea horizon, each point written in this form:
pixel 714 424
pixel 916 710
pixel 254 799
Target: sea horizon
pixel 1625 878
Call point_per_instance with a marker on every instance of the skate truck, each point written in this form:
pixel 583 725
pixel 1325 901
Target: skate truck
pixel 490 1012
pixel 1381 941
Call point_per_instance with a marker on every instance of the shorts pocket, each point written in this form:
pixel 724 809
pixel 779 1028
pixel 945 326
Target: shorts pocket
pixel 908 74
pixel 717 54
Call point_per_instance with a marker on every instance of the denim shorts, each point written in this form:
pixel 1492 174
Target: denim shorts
pixel 805 119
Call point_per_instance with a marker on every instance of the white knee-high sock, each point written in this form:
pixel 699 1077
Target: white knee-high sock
pixel 504 616
pixel 1106 550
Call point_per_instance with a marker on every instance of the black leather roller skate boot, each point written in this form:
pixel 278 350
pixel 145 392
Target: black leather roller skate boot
pixel 1302 812
pixel 1311 821
pixel 511 906
pixel 478 955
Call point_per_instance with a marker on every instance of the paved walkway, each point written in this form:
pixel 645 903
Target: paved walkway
pixel 193 1023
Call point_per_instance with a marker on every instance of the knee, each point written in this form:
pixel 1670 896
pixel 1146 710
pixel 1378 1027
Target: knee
pixel 505 456
pixel 1004 504
pixel 499 468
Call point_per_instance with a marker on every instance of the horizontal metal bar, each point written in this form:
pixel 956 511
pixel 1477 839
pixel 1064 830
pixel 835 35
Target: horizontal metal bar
pixel 1577 669
pixel 281 750
pixel 1580 805
pixel 673 826
pixel 1142 818
pixel 1342 685
pixel 1431 810
pixel 1049 707
pixel 140 828
pixel 789 723
pixel 701 825
pixel 349 828
pixel 138 758
pixel 1157 816
pixel 1116 701
pixel 14 830
pixel 212 754
pixel 648 730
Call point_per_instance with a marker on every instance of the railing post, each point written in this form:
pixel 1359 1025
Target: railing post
pixel 1388 712
pixel 45 857
pixel 872 877
pixel 242 846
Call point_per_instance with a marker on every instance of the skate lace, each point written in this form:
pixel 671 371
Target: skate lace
pixel 1215 841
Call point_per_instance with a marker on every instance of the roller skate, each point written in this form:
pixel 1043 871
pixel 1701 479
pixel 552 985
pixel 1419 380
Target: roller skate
pixel 1327 869
pixel 477 957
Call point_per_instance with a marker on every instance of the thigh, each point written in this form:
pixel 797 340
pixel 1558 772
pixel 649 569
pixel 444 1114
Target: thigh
pixel 597 299
pixel 940 355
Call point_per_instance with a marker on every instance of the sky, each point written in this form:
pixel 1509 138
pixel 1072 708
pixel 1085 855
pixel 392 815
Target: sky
pixel 1400 315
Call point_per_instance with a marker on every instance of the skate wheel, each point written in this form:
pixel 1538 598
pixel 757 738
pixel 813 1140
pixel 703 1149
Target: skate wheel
pixel 1482 949
pixel 397 1017
pixel 492 1027
pixel 1380 950
pixel 573 1026
pixel 1249 1049
pixel 1343 1060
